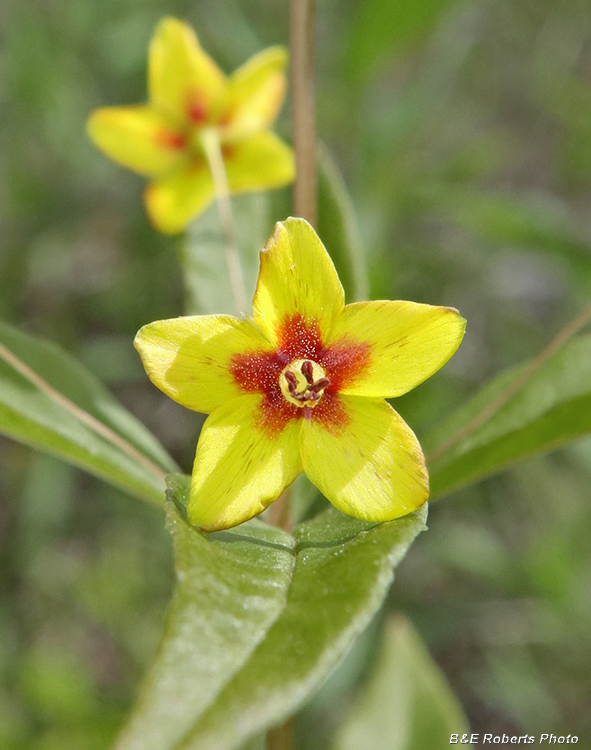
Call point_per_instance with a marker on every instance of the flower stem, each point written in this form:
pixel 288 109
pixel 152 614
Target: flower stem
pixel 280 514
pixel 301 39
pixel 301 42
pixel 213 151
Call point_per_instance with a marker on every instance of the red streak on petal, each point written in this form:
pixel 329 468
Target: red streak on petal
pixel 170 139
pixel 300 338
pixel 197 164
pixel 225 119
pixel 228 152
pixel 196 109
pixel 330 412
pixel 276 413
pixel 257 372
pixel 345 362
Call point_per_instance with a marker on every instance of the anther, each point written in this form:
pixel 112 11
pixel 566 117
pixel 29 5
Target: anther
pixel 307 370
pixel 303 382
pixel 319 385
pixel 292 380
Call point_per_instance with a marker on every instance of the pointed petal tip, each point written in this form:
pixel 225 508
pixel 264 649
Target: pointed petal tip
pixel 172 23
pixel 278 53
pixel 95 122
pixel 297 278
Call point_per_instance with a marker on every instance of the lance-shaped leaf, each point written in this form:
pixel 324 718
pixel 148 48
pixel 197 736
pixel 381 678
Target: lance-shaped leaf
pixel 407 703
pixel 231 587
pixel 50 402
pixel 491 431
pixel 312 594
pixel 203 254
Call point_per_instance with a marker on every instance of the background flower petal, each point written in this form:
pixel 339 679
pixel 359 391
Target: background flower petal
pixel 138 137
pixel 373 468
pixel 172 201
pixel 188 358
pixel 182 79
pixel 256 92
pixel 239 470
pixel 258 162
pixel 408 343
pixel 297 277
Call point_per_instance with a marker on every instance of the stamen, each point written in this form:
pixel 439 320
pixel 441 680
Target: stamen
pixel 292 380
pixel 319 385
pixel 303 382
pixel 307 370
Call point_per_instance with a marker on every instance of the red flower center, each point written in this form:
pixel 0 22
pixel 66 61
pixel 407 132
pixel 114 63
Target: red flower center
pixel 302 378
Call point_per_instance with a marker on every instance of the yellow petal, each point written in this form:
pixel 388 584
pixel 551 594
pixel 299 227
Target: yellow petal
pixel 408 342
pixel 297 278
pixel 174 200
pixel 189 358
pixel 256 92
pixel 138 138
pixel 183 81
pixel 259 162
pixel 372 467
pixel 239 470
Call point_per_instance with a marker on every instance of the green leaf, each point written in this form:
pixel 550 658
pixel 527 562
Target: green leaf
pixel 50 402
pixel 231 587
pixel 337 226
pixel 203 254
pixel 259 619
pixel 407 704
pixel 381 28
pixel 552 408
pixel 534 220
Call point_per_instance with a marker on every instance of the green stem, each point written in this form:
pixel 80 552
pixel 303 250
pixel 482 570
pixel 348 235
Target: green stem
pixel 213 151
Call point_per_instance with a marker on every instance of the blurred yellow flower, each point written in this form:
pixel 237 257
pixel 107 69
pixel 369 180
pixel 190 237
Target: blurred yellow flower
pixel 302 387
pixel 189 97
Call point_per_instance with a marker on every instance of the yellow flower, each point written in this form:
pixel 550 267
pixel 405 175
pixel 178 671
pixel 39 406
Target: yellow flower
pixel 302 387
pixel 189 96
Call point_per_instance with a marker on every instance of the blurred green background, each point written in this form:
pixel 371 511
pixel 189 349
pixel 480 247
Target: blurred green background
pixel 463 130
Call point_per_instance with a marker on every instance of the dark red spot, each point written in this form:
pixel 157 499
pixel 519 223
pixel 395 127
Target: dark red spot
pixel 197 112
pixel 170 139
